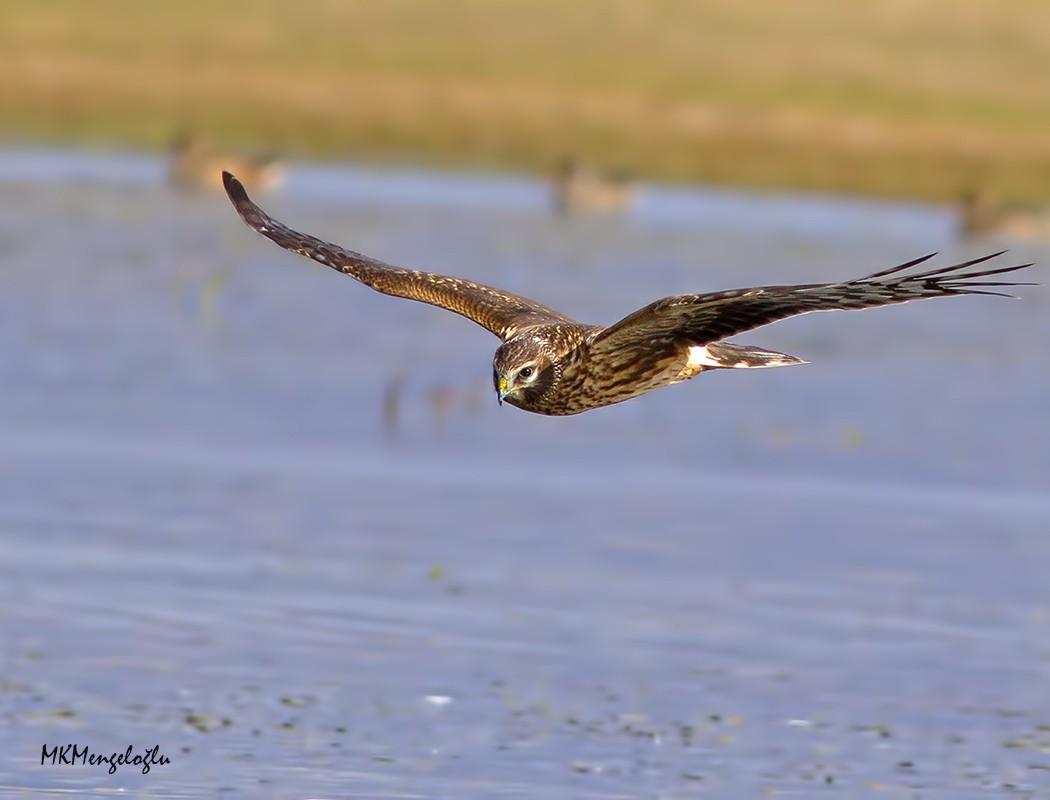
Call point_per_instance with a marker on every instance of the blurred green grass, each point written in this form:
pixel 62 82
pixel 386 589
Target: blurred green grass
pixel 916 98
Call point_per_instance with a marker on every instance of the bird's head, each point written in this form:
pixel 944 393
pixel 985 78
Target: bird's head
pixel 524 370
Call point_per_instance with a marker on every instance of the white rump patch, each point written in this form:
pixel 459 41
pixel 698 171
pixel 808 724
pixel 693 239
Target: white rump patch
pixel 699 357
pixel 731 356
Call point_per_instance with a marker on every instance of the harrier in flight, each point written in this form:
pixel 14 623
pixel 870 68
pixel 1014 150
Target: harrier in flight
pixel 550 364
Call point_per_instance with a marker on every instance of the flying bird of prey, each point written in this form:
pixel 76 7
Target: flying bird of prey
pixel 550 364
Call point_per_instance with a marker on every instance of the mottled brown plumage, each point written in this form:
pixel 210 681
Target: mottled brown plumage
pixel 550 364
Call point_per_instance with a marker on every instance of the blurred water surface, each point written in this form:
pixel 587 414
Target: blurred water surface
pixel 276 524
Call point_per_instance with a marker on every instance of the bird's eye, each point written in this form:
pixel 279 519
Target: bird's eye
pixel 525 373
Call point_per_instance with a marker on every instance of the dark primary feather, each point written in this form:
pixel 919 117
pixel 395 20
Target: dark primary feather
pixel 704 318
pixel 503 313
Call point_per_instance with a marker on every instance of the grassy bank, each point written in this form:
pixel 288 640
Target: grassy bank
pixel 890 98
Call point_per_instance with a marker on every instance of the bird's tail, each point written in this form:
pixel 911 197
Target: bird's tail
pixel 739 356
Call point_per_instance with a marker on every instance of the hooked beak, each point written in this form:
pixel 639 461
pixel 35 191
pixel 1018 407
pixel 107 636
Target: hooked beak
pixel 501 390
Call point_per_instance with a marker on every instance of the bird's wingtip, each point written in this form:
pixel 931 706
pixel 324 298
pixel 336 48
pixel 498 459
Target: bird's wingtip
pixel 234 188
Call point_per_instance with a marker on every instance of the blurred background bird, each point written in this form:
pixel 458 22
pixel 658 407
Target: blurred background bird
pixel 198 164
pixel 981 215
pixel 579 187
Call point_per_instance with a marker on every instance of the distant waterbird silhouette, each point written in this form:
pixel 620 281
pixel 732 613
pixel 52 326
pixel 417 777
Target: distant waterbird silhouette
pixel 197 164
pixel 579 187
pixel 981 215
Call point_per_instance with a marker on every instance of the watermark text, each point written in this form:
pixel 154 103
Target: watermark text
pixel 72 753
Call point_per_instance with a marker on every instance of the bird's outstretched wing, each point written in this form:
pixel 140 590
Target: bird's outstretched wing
pixel 503 313
pixel 699 319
